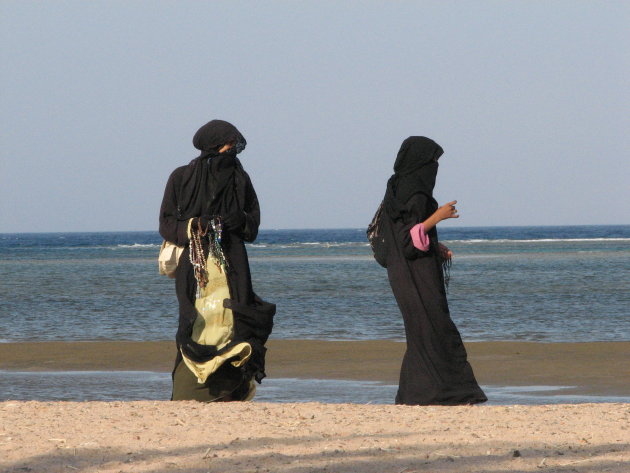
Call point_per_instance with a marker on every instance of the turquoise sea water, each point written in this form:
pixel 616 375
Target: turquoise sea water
pixel 550 284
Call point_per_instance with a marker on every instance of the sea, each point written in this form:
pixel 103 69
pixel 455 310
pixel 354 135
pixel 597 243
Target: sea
pixel 544 284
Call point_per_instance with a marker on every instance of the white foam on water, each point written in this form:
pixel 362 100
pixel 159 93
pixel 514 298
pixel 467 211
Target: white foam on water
pixel 538 240
pixel 137 245
pixel 309 244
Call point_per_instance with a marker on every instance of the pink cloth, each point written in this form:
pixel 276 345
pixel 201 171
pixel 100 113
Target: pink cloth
pixel 419 237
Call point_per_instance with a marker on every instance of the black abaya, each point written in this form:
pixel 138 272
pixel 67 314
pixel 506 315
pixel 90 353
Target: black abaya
pixel 215 184
pixel 435 369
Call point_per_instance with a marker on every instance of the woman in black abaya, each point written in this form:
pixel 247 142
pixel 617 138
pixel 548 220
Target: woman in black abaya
pixel 435 369
pixel 210 209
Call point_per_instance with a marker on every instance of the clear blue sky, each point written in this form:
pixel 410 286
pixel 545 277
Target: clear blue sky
pixel 529 99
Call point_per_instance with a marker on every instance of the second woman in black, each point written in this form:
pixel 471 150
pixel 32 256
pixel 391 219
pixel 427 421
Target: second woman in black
pixel 435 369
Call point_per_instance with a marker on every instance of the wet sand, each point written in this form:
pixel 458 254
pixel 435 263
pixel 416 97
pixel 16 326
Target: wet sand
pixel 596 368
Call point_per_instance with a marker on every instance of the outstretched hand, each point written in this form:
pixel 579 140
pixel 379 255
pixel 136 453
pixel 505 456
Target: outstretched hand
pixel 448 210
pixel 442 213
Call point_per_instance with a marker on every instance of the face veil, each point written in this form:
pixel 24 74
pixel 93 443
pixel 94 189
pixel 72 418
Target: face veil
pixel 208 185
pixel 415 171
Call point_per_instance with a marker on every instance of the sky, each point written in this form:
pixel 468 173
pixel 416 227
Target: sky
pixel 529 99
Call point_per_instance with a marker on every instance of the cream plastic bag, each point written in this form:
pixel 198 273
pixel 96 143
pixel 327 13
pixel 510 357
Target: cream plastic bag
pixel 168 258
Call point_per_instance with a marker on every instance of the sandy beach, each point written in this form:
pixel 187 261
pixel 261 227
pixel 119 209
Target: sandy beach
pixel 160 437
pixel 163 436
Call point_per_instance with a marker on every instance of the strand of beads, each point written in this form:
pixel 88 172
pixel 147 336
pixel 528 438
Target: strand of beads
pixel 197 257
pixel 216 250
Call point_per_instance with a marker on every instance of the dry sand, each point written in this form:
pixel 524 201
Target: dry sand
pixel 190 437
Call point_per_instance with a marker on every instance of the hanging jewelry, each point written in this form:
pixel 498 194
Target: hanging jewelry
pixel 197 257
pixel 216 250
pixel 214 231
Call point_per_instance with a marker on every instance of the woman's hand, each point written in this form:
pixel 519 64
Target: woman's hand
pixel 447 211
pixel 445 253
pixel 442 213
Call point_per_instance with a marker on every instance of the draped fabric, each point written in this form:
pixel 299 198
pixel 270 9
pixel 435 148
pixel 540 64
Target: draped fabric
pixel 435 369
pixel 208 186
pixel 208 183
pixel 216 133
pixel 216 185
pixel 415 171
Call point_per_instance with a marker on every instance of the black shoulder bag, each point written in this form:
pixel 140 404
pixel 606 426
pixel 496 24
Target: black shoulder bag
pixel 376 236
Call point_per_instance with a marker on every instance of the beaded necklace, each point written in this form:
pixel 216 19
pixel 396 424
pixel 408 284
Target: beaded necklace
pixel 216 250
pixel 197 256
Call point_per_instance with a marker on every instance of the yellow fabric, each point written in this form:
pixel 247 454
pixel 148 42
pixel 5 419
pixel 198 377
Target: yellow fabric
pixel 214 324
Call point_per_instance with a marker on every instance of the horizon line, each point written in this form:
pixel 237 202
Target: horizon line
pixel 333 228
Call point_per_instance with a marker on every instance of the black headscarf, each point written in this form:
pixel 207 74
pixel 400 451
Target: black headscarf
pixel 208 183
pixel 415 171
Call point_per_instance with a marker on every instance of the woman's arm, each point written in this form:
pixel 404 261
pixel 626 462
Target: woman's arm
pixel 446 211
pixel 252 213
pixel 419 232
pixel 171 228
pixel 406 231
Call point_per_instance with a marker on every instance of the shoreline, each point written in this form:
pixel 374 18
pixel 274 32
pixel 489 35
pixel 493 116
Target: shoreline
pixel 589 368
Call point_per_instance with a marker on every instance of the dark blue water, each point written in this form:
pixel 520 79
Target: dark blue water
pixel 507 283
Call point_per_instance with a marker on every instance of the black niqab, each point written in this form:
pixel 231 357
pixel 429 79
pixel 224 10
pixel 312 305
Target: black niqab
pixel 208 185
pixel 415 171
